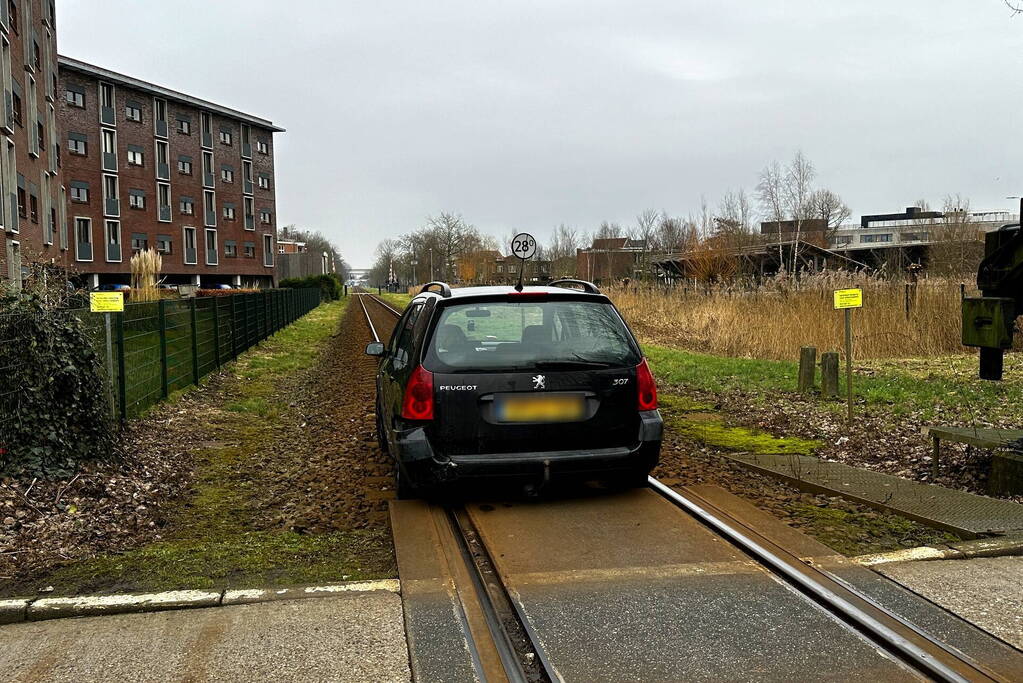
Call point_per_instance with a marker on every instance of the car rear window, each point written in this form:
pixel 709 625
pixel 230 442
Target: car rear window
pixel 510 335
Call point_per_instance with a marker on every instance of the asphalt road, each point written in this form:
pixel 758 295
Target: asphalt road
pixel 357 637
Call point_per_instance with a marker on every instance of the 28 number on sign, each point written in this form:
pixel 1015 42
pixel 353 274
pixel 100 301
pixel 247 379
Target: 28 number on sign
pixel 523 245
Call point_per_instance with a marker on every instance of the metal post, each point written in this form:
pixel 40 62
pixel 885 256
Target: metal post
pixel 848 364
pixel 195 342
pixel 110 362
pixel 162 308
pixel 121 384
pixel 216 329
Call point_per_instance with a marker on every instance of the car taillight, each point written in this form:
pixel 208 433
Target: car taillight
pixel 418 401
pixel 646 388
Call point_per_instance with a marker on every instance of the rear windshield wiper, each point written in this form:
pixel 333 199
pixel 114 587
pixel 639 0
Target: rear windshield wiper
pixel 549 364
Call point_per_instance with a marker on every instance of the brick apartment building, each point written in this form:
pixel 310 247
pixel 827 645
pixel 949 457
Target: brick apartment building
pixel 31 200
pixel 146 166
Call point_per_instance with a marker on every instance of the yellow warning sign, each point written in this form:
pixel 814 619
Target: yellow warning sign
pixel 848 298
pixel 106 302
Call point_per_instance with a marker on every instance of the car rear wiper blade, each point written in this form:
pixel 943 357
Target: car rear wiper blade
pixel 548 364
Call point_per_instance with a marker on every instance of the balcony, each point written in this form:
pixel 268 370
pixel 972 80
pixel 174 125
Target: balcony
pixel 247 186
pixel 207 180
pixel 112 206
pixel 165 213
pixel 84 251
pixel 210 217
pixel 109 161
pixel 8 110
pixel 207 139
pixel 190 256
pixel 163 171
pixel 113 252
pixel 106 115
pixel 211 257
pixel 161 129
pixel 247 150
pixel 250 222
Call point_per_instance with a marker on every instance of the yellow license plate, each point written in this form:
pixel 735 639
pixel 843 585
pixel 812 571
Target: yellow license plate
pixel 540 409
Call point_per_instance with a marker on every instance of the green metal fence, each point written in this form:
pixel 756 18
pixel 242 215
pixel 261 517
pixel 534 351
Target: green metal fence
pixel 153 349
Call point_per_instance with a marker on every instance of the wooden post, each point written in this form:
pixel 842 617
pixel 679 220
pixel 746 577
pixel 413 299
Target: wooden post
pixel 807 368
pixel 934 455
pixel 848 363
pixel 907 301
pixel 829 374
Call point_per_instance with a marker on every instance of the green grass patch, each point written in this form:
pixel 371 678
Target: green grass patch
pixel 896 390
pixel 399 301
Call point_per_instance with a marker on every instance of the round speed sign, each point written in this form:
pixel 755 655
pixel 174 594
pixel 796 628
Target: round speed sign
pixel 523 245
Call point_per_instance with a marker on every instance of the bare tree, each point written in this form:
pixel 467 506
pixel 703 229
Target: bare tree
pixel 561 250
pixel 771 196
pixel 827 206
pixel 958 248
pixel 644 232
pixel 798 187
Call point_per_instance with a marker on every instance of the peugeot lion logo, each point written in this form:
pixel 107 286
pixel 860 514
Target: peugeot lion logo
pixel 539 382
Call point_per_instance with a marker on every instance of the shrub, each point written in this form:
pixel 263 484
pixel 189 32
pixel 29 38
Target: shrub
pixel 54 407
pixel 330 285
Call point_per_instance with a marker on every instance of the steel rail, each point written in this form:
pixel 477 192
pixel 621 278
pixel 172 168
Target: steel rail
pixel 882 634
pixel 387 306
pixel 369 321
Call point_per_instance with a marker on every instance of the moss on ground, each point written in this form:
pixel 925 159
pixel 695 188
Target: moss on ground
pixel 212 541
pixel 694 420
pixel 863 532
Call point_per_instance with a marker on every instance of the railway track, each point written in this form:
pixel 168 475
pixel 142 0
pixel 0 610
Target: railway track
pixel 507 580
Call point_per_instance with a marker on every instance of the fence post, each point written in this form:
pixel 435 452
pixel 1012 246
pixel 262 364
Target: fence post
pixel 234 328
pixel 907 301
pixel 829 374
pixel 195 342
pixel 162 306
pixel 216 329
pixel 122 399
pixel 807 367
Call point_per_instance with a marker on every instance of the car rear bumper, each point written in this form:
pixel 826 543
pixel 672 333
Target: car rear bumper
pixel 427 468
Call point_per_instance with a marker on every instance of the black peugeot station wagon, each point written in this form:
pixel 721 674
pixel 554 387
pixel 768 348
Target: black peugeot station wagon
pixel 542 384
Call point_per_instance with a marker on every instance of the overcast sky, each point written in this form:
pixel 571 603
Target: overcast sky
pixel 523 115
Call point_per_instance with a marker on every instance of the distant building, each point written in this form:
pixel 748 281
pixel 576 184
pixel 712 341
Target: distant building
pixel 32 208
pixel 609 259
pixel 147 166
pixel 489 267
pixel 294 259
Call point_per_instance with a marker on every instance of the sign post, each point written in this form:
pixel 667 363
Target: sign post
pixel 524 246
pixel 107 303
pixel 846 300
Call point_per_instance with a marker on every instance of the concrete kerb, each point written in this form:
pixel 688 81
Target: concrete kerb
pixel 998 546
pixel 39 609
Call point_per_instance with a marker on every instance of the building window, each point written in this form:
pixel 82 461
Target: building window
pixel 211 247
pixel 132 112
pixel 225 137
pixel 16 106
pixel 164 200
pixel 184 126
pixel 227 175
pixel 230 248
pixel 264 216
pixel 262 147
pixel 250 250
pixel 134 157
pixel 114 241
pixel 75 98
pixel 264 182
pixel 186 206
pixel 33 208
pixel 22 209
pixel 268 250
pixel 163 244
pixel 873 239
pixel 249 213
pixel 83 239
pixel 78 146
pixel 136 199
pixel 106 95
pixel 80 195
pixel 210 204
pixel 109 142
pixel 160 116
pixel 139 241
pixel 185 166
pixel 229 212
pixel 12 9
pixel 190 246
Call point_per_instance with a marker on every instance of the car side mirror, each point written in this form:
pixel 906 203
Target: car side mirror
pixel 375 349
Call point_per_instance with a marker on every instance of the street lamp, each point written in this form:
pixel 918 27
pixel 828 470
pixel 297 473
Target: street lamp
pixel 414 280
pixel 431 264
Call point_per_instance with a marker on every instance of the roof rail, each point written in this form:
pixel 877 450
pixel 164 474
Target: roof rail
pixel 588 287
pixel 445 290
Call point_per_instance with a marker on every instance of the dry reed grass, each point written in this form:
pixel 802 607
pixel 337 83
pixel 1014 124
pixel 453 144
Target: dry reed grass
pixel 145 271
pixel 774 320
